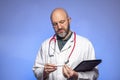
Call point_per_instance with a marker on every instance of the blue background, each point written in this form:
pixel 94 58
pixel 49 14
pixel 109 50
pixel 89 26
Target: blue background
pixel 25 24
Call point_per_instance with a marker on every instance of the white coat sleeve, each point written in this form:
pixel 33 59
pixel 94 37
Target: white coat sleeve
pixel 89 75
pixel 38 65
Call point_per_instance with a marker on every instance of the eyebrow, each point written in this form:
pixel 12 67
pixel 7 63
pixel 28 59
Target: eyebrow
pixel 61 21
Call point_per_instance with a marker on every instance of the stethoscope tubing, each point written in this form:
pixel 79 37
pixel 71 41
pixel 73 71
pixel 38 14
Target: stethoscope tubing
pixel 54 39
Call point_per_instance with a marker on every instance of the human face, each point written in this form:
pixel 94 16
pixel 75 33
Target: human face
pixel 61 24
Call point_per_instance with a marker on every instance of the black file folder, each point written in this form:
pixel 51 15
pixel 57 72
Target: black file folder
pixel 87 65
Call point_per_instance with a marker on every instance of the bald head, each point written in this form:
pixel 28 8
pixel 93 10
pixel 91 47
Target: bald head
pixel 61 22
pixel 58 12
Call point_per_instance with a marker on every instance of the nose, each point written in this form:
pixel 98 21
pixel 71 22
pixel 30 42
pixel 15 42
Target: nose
pixel 59 25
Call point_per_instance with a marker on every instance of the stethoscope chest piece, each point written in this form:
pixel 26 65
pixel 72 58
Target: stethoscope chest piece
pixel 67 61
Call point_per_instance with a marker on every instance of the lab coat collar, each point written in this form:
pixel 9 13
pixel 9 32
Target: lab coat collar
pixel 69 43
pixel 54 45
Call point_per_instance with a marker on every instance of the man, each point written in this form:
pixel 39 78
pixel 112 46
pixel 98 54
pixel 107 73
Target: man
pixel 60 54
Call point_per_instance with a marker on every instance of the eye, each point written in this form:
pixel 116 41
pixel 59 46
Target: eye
pixel 62 21
pixel 54 24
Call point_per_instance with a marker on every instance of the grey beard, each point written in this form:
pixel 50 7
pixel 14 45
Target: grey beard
pixel 62 34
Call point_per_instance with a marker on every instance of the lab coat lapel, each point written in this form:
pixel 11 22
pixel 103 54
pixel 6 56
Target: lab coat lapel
pixel 51 48
pixel 69 43
pixel 54 48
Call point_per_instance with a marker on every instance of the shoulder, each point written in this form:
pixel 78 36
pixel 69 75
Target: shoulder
pixel 82 40
pixel 47 41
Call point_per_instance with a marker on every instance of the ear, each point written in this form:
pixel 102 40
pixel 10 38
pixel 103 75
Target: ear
pixel 69 19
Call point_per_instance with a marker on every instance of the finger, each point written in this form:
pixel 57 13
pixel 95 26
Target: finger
pixel 49 68
pixel 69 71
pixel 65 73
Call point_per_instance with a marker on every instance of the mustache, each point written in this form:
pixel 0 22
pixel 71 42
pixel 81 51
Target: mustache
pixel 60 29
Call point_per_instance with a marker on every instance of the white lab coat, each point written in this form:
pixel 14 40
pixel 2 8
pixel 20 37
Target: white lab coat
pixel 50 53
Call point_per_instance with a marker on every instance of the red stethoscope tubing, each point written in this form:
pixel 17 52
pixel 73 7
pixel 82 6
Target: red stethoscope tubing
pixel 73 45
pixel 53 38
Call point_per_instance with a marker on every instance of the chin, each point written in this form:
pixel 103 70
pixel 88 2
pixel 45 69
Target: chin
pixel 62 35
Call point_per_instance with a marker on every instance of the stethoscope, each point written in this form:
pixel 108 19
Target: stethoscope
pixel 54 40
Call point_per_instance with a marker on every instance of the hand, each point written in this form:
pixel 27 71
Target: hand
pixel 69 73
pixel 48 68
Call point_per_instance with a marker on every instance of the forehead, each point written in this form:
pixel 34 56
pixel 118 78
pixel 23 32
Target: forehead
pixel 58 15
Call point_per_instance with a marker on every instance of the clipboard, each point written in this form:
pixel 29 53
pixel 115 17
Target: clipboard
pixel 87 65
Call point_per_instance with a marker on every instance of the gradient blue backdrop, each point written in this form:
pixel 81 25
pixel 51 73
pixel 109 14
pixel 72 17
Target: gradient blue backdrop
pixel 25 24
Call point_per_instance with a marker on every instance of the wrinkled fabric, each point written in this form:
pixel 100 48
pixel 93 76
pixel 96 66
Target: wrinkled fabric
pixel 49 53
